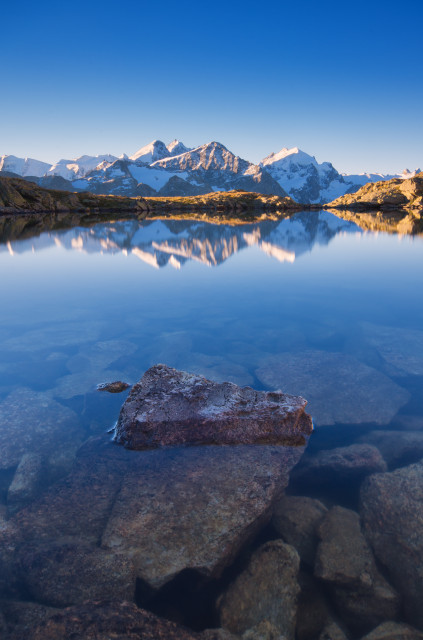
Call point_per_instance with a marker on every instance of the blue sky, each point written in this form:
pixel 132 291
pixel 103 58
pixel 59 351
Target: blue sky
pixel 342 81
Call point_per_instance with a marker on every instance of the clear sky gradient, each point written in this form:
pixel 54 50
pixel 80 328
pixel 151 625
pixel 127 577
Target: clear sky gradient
pixel 341 80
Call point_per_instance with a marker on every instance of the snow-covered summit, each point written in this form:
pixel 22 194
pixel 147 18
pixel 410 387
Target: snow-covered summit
pixel 176 147
pixel 23 166
pixel 155 150
pixel 79 167
pixel 209 156
pixel 294 155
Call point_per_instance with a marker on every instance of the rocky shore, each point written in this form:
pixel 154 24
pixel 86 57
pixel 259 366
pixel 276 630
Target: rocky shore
pixel 384 196
pixel 20 196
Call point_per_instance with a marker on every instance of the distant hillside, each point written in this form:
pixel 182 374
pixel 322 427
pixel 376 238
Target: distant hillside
pixel 388 195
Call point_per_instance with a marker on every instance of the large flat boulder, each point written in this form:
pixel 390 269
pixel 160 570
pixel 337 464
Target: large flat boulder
pixel 170 407
pixel 194 507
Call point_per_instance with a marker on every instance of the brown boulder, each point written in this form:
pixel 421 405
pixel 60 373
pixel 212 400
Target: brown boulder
pixel 394 631
pixel 392 514
pixel 195 507
pixel 106 620
pixel 347 464
pixel 63 574
pixel 345 562
pixel 267 589
pixel 170 407
pixel 296 519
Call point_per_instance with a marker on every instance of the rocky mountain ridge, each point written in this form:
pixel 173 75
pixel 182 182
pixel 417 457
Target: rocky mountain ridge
pixel 176 170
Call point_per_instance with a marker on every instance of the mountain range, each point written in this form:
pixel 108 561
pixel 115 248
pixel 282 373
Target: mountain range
pixel 158 169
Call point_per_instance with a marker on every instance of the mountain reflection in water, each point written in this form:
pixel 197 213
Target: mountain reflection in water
pixel 165 242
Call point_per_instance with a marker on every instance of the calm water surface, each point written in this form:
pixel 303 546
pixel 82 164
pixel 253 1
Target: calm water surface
pixel 312 305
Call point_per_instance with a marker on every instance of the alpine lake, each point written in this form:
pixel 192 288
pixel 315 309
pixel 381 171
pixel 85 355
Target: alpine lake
pixel 313 305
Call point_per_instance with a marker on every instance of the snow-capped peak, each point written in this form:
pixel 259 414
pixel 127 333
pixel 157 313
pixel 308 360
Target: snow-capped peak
pixel 210 156
pixel 294 155
pixel 24 166
pixel 176 147
pixel 79 167
pixel 155 150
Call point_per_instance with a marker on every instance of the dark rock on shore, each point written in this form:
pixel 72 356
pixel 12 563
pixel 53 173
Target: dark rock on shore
pixel 392 514
pixel 170 407
pixel 266 590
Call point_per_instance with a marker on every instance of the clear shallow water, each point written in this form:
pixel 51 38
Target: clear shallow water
pixel 312 305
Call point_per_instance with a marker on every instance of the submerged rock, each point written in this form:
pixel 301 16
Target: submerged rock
pixel 296 519
pixel 313 612
pixel 267 590
pixel 397 447
pixel 264 630
pixel 332 631
pixel 113 387
pixel 195 507
pixel 358 393
pixel 169 407
pixel 106 620
pixel 32 422
pixel 401 348
pixel 60 574
pixel 22 617
pixel 394 631
pixel 392 514
pixel 26 482
pixel 350 464
pixel 345 562
pixel 166 510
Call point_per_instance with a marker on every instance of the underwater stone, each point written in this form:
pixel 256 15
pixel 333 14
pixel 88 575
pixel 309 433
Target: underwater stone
pixel 296 519
pixel 357 392
pixel 267 589
pixel 105 620
pixel 195 507
pixel 32 422
pixel 392 514
pixel 345 562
